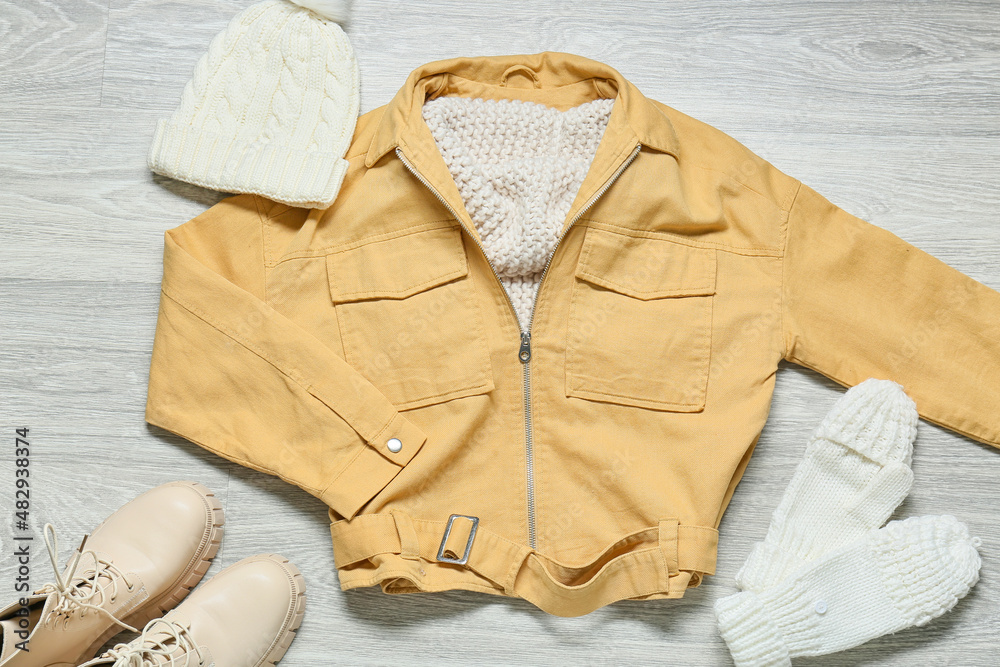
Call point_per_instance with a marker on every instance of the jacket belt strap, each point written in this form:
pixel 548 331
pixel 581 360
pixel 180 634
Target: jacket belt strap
pixel 367 535
pixel 409 541
pixel 650 556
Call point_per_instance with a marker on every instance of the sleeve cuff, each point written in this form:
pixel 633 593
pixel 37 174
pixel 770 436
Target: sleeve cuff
pixel 374 466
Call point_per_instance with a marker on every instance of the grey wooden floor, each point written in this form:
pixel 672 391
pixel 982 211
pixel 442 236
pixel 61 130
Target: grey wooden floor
pixel 890 109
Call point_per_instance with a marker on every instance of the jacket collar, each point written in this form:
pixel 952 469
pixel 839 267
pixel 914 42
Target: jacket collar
pixel 561 80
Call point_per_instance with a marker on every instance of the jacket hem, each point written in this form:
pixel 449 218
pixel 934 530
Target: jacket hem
pixel 401 554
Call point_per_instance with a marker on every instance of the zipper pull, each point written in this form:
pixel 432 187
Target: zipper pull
pixel 524 354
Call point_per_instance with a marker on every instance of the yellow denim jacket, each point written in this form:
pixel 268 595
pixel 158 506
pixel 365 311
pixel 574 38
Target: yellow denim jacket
pixel 369 354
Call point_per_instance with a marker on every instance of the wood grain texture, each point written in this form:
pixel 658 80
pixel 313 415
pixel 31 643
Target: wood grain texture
pixel 890 109
pixel 52 52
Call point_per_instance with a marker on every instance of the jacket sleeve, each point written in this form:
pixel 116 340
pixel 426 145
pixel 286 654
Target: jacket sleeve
pixel 859 302
pixel 232 374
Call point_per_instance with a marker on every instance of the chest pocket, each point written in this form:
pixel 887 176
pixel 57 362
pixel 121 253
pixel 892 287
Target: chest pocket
pixel 640 322
pixel 408 317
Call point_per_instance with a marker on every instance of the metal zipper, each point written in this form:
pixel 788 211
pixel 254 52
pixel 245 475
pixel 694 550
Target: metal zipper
pixel 524 351
pixel 524 354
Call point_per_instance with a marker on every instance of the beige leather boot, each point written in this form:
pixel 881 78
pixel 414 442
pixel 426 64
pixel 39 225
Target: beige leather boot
pixel 245 616
pixel 138 563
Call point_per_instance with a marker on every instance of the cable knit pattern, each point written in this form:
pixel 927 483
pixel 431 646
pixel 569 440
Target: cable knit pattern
pixel 892 578
pixel 270 109
pixel 854 474
pixel 937 552
pixel 878 420
pixel 518 166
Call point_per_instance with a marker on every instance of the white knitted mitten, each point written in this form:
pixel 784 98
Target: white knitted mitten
pixel 904 574
pixel 855 472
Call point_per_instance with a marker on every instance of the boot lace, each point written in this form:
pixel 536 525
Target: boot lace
pixel 178 646
pixel 80 593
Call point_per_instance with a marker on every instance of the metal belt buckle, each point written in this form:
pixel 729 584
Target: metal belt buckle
pixel 468 545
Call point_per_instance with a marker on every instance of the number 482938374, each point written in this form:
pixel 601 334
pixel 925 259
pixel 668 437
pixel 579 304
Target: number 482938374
pixel 22 492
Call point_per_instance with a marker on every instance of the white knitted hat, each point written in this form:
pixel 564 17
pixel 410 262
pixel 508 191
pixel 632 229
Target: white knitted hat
pixel 271 108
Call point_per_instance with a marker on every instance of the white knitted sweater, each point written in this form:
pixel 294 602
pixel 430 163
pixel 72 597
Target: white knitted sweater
pixel 518 167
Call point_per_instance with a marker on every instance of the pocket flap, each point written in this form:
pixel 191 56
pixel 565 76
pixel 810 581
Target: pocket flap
pixel 398 267
pixel 645 268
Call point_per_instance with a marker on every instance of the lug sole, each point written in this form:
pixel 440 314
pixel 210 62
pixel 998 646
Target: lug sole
pixel 295 614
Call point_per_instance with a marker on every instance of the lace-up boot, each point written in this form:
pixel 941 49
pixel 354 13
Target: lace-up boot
pixel 245 616
pixel 137 564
